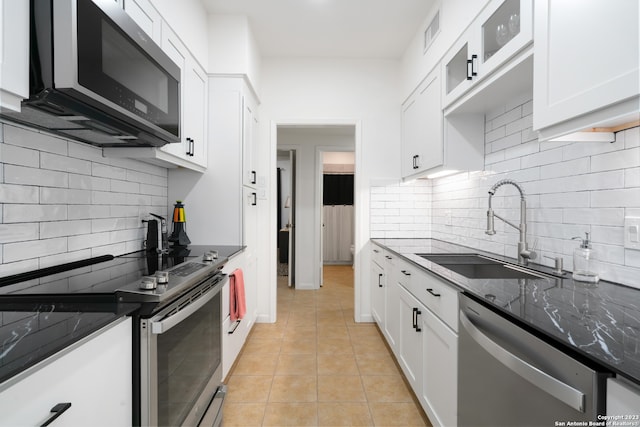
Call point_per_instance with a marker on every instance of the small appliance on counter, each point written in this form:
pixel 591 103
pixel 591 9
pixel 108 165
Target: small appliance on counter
pixel 157 238
pixel 179 236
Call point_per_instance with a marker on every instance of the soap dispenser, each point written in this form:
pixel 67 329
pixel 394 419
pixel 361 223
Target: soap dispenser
pixel 584 261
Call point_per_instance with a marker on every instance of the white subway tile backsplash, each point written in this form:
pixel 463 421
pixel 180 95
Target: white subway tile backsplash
pixel 33 213
pixel 18 232
pixel 41 141
pixel 31 176
pixel 15 155
pixel 10 193
pixel 64 164
pixel 617 160
pixel 34 249
pixel 568 168
pixel 62 200
pixel 108 171
pixel 628 197
pixel 64 228
pixel 597 216
pixel 631 137
pixel 85 241
pixel 86 182
pixel 64 196
pixel 571 187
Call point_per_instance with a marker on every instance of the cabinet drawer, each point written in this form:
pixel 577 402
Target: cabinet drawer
pixel 437 296
pixel 377 255
pixel 406 274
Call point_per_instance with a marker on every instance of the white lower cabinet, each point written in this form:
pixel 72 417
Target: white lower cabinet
pixel 410 345
pixel 234 333
pixel 94 375
pixel 439 371
pixel 420 324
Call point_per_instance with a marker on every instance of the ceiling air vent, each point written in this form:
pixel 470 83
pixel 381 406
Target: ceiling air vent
pixel 432 31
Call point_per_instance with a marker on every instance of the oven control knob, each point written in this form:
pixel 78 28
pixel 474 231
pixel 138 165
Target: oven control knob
pixel 210 256
pixel 162 277
pixel 148 283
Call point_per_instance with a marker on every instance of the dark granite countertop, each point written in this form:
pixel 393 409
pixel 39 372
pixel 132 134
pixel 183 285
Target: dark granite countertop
pixel 30 335
pixel 600 322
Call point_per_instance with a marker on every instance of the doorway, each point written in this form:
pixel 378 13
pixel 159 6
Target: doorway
pixel 337 208
pixel 309 142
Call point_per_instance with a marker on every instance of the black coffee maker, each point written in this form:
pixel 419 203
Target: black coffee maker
pixel 157 238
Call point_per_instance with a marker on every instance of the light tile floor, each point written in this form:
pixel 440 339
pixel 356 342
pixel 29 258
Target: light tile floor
pixel 316 367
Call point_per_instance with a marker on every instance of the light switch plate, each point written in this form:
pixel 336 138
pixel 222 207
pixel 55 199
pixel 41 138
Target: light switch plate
pixel 632 232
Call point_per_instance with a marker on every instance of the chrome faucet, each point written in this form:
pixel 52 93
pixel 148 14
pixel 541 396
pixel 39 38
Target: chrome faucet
pixel 524 253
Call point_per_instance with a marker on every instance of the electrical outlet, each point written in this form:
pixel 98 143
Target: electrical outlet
pixel 632 232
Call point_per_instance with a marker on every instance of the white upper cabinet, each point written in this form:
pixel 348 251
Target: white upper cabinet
pixel 434 144
pixel 14 53
pixel 422 142
pixel 194 102
pixel 146 16
pixel 499 32
pixel 586 65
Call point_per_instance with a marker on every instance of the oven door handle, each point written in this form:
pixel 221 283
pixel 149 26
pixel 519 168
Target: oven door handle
pixel 162 326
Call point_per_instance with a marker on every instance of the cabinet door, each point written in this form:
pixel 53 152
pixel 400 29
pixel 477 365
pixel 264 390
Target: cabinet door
pixel 497 34
pixel 174 48
pixel 378 284
pixel 392 301
pixel 94 377
pixel 146 16
pixel 584 59
pixel 422 143
pixel 195 112
pixel 440 371
pixel 250 119
pixel 411 336
pixel 14 53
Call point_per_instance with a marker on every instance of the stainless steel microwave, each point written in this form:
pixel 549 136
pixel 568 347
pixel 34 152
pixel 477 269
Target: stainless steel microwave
pixel 95 76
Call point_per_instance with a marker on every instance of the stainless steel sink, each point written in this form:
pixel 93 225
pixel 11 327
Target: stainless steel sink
pixel 478 267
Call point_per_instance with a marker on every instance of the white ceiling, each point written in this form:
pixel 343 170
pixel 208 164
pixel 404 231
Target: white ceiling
pixel 329 28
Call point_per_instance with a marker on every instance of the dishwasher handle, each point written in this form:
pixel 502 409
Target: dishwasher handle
pixel 556 388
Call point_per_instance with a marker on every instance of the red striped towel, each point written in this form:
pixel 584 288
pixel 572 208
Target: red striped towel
pixel 237 303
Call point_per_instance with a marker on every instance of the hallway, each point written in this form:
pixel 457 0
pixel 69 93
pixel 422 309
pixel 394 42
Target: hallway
pixel 316 367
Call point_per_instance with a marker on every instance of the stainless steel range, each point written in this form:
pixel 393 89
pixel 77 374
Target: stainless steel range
pixel 180 349
pixel 177 358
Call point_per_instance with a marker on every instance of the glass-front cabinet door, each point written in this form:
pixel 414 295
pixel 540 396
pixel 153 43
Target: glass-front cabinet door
pixel 500 31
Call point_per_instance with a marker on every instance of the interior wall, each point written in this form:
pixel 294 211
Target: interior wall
pixel 365 92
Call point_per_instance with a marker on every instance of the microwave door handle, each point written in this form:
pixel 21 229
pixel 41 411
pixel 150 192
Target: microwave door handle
pixel 164 325
pixel 556 388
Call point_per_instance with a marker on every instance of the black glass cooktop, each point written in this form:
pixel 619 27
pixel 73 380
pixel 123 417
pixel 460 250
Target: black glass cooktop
pixel 102 275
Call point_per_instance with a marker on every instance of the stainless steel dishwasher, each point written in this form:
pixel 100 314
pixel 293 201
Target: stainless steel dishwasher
pixel 509 377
